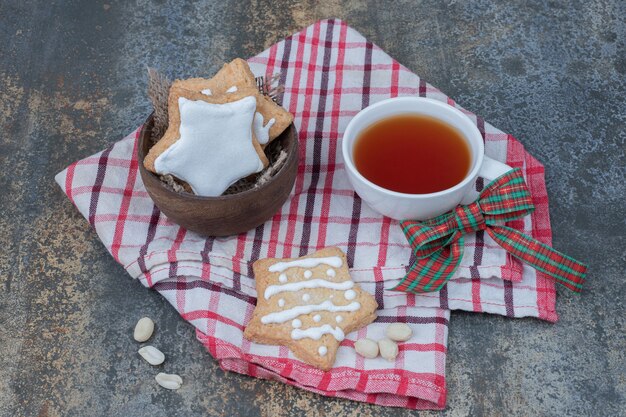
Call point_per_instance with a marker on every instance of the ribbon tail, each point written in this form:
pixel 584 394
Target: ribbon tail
pixel 431 273
pixel 563 269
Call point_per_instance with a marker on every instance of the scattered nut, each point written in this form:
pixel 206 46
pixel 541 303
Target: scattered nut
pixel 399 332
pixel 366 348
pixel 169 381
pixel 152 355
pixel 143 329
pixel 388 349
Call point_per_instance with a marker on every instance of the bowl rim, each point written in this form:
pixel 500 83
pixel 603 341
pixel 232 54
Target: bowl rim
pixel 140 157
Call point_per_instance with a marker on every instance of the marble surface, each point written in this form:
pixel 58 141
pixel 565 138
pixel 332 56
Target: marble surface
pixel 72 79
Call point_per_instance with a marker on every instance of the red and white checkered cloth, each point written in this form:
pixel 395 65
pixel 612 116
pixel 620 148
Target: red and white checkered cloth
pixel 329 72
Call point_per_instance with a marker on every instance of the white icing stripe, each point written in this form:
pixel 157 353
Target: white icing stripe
pixel 292 313
pixel 232 89
pixel 316 333
pixel 314 283
pixel 261 132
pixel 334 261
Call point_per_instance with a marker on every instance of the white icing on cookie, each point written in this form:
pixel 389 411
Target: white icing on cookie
pixel 306 297
pixel 308 274
pixel 296 324
pixel 322 350
pixel 317 318
pixel 261 132
pixel 338 319
pixel 206 92
pixel 316 333
pixel 300 285
pixel 334 261
pixel 232 89
pixel 292 313
pixel 282 278
pixel 330 272
pixel 281 302
pixel 350 295
pixel 215 148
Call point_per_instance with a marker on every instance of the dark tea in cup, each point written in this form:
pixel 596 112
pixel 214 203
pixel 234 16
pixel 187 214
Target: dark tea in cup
pixel 412 154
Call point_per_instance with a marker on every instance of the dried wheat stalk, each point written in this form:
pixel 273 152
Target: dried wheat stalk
pixel 158 92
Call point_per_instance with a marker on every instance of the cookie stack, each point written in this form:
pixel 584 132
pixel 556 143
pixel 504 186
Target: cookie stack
pixel 218 130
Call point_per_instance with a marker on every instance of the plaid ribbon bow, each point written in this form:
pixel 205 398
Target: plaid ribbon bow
pixel 438 242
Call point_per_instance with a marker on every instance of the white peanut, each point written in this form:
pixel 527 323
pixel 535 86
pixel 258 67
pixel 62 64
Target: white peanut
pixel 399 332
pixel 169 381
pixel 152 355
pixel 388 349
pixel 366 348
pixel 143 329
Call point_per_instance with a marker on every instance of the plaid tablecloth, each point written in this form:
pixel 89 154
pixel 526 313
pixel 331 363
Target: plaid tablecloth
pixel 329 72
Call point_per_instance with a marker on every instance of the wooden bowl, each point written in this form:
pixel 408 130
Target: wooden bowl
pixel 228 214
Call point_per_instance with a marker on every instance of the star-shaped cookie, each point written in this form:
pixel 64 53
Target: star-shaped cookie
pixel 208 144
pixel 308 304
pixel 236 78
pixel 235 73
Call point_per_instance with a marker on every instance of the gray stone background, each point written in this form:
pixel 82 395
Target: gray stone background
pixel 72 80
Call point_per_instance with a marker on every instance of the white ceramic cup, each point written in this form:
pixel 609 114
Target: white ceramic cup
pixel 418 206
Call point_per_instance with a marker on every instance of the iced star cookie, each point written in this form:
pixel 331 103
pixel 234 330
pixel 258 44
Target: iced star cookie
pixel 209 142
pixel 308 304
pixel 233 74
pixel 236 78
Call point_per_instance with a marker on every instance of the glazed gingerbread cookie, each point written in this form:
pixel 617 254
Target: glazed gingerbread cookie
pixel 236 74
pixel 308 304
pixel 209 142
pixel 236 78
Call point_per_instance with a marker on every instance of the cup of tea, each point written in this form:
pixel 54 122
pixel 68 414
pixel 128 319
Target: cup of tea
pixel 415 158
